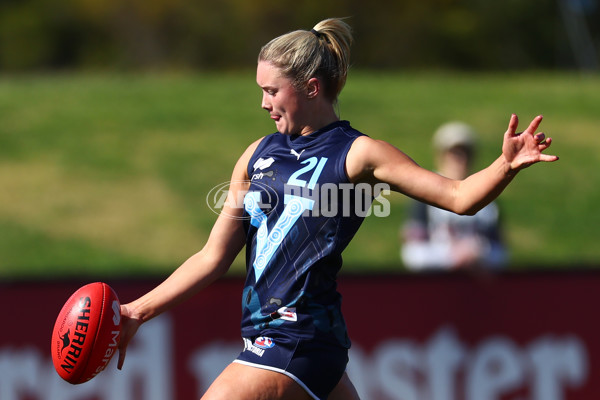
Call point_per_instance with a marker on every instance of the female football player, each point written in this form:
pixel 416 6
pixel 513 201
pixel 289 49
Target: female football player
pixel 295 339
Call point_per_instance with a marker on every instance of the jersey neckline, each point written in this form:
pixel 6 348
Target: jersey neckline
pixel 303 140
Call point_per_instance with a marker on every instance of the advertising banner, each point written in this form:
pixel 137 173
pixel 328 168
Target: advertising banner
pixel 512 336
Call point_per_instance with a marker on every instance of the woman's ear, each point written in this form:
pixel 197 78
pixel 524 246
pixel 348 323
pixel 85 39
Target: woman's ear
pixel 313 87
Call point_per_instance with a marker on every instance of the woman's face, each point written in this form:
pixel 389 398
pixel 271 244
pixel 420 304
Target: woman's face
pixel 286 106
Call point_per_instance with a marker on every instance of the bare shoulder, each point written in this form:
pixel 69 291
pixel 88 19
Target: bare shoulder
pixel 358 159
pixel 238 186
pixel 240 172
pixel 368 155
pixel 251 149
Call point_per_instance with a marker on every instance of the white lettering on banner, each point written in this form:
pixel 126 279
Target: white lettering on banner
pixel 557 363
pixel 446 369
pixel 147 373
pixel 441 368
pixel 20 372
pixel 497 366
pixel 207 362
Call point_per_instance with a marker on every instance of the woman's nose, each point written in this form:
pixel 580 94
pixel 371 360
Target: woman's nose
pixel 264 103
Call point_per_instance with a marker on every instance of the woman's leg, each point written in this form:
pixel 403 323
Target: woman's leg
pixel 344 390
pixel 243 382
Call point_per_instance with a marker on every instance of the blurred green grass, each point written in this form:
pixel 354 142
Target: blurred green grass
pixel 107 175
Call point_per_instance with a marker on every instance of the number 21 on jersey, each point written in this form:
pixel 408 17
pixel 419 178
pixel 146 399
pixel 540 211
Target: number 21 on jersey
pixel 267 242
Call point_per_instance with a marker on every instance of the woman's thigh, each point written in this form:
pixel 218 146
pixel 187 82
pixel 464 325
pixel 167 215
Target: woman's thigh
pixel 344 390
pixel 243 382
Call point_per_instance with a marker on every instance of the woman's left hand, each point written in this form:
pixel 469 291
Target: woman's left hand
pixel 129 326
pixel 525 148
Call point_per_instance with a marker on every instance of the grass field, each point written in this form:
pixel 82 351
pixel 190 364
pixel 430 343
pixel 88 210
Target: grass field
pixel 108 174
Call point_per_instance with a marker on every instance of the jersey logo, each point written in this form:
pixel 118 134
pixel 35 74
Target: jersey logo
pixel 261 163
pixel 295 153
pixel 288 314
pixel 264 342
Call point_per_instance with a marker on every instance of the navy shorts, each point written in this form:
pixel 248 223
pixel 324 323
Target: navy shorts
pixel 314 365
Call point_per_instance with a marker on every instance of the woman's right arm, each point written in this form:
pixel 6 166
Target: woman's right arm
pixel 226 240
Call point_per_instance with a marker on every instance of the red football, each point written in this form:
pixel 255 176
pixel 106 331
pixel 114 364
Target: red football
pixel 86 333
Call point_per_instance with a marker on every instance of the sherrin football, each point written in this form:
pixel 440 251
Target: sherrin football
pixel 86 333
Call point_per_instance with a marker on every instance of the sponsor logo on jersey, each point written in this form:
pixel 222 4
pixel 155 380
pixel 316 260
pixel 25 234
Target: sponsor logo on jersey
pixel 261 175
pixel 261 163
pixel 264 342
pixel 259 346
pixel 288 314
pixel 295 153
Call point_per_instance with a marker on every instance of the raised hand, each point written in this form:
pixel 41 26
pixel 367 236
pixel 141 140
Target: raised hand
pixel 525 148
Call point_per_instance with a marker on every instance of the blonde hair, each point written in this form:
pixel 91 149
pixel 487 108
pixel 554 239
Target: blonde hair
pixel 323 52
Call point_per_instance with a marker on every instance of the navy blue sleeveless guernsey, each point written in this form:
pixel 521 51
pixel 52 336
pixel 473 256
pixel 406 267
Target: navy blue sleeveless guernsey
pixel 299 217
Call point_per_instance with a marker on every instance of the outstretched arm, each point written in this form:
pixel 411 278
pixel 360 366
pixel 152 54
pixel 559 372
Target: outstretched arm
pixel 226 240
pixel 377 161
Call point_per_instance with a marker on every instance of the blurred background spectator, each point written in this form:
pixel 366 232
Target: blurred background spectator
pixel 433 238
